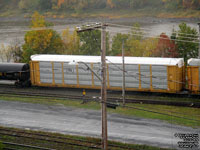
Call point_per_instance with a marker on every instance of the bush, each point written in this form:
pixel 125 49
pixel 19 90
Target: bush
pixel 1 146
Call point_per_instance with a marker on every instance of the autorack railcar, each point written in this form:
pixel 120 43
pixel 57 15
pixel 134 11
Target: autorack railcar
pixel 193 75
pixel 142 73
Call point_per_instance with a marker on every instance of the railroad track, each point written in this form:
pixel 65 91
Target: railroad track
pixel 29 94
pixel 62 141
pixel 10 146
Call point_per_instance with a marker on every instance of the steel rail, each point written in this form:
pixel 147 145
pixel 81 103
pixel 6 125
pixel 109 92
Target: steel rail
pixel 15 133
pixel 26 146
pixel 50 140
pixel 91 98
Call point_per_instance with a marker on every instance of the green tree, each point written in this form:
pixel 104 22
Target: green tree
pixel 118 39
pixel 186 41
pixel 41 41
pixel 91 42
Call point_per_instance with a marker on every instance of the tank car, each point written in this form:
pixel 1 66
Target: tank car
pixel 18 72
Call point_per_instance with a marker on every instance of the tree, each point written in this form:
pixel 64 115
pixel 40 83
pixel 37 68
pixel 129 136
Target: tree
pixel 134 45
pixel 71 42
pixel 91 42
pixel 6 53
pixel 141 48
pixel 186 41
pixel 117 44
pixel 165 47
pixel 27 5
pixel 41 41
pixel 38 21
pixel 137 45
pixel 15 45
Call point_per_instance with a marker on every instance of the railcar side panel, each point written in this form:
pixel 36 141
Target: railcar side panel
pixel 35 73
pixel 193 79
pixel 175 78
pixel 151 78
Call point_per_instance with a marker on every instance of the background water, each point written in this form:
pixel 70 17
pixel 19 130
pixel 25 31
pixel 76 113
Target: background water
pixel 14 29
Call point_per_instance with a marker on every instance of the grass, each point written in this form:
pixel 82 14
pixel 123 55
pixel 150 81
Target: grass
pixel 170 111
pixel 160 97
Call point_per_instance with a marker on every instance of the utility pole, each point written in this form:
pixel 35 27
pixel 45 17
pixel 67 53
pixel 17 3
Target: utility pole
pixel 199 40
pixel 103 80
pixel 123 84
pixel 103 88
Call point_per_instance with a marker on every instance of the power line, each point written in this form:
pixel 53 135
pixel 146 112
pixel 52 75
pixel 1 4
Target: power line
pixel 143 33
pixel 191 36
pixel 145 29
pixel 156 37
pixel 130 75
pixel 161 79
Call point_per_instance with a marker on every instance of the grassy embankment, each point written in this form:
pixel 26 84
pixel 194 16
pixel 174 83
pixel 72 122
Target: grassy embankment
pixel 164 113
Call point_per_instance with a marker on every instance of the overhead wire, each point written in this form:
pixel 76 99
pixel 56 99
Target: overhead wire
pixel 160 78
pixel 145 29
pixel 130 75
pixel 157 37
pixel 136 30
pixel 190 36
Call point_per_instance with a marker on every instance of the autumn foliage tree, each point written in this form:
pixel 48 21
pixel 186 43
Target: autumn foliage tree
pixel 137 45
pixel 41 40
pixel 71 42
pixel 165 47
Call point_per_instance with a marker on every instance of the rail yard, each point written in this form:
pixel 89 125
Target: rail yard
pixel 157 92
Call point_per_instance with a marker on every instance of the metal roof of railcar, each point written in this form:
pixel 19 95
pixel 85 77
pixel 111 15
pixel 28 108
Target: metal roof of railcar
pixel 110 59
pixel 194 62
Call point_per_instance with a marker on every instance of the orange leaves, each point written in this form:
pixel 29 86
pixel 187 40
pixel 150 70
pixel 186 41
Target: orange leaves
pixel 60 2
pixel 110 3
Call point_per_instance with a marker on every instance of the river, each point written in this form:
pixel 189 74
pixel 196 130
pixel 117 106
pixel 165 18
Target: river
pixel 14 29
